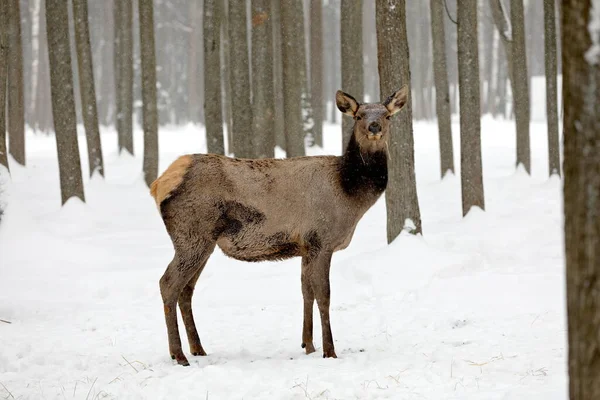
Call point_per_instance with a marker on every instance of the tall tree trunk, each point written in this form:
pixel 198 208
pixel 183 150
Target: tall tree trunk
pixel 194 65
pixel 278 75
pixel 150 111
pixel 262 79
pixel 352 58
pixel 3 79
pixel 521 86
pixel 581 76
pixel 488 61
pixel 293 62
pixel 117 55
pixel 86 86
pixel 470 123
pixel 226 73
pixel 316 68
pixel 125 75
pixel 504 30
pixel 442 95
pixel 212 85
pixel 394 71
pixel 43 101
pixel 63 99
pixel 16 109
pixel 35 55
pixel 551 96
pixel 241 105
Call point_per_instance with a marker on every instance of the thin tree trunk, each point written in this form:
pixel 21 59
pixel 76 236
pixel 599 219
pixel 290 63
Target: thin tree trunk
pixel 316 68
pixel 442 95
pixel 352 58
pixel 125 75
pixel 262 79
pixel 86 85
pixel 212 85
pixel 470 123
pixel 63 99
pixel 278 75
pixel 16 110
pixel 581 77
pixel 504 29
pixel 521 86
pixel 488 57
pixel 117 12
pixel 394 72
pixel 226 74
pixel 292 56
pixel 3 79
pixel 35 55
pixel 551 95
pixel 241 105
pixel 150 111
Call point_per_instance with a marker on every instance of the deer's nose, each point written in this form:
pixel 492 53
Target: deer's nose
pixel 374 127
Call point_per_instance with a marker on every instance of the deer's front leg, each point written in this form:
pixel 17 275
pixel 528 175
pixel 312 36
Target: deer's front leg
pixel 320 285
pixel 309 300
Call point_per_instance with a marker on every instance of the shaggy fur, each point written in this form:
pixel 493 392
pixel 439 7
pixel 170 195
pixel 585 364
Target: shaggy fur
pixel 271 209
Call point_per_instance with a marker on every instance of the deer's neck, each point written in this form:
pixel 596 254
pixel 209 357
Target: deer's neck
pixel 361 172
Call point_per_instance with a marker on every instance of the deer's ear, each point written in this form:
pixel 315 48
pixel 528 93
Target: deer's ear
pixel 346 103
pixel 396 101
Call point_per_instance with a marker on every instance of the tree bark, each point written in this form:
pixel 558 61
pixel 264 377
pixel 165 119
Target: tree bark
pixel 278 75
pixel 470 123
pixel 150 112
pixel 262 79
pixel 352 58
pixel 521 86
pixel 581 77
pixel 63 99
pixel 16 109
pixel 226 72
pixel 316 68
pixel 212 78
pixel 551 95
pixel 394 71
pixel 35 56
pixel 442 95
pixel 293 62
pixel 241 105
pixel 86 86
pixel 3 79
pixel 125 75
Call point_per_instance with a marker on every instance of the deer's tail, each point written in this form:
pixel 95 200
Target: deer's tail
pixel 162 188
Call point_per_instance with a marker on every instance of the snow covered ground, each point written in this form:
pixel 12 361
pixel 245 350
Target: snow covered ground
pixel 473 309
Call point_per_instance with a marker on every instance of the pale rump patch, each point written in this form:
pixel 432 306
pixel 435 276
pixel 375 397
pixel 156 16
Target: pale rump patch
pixel 162 187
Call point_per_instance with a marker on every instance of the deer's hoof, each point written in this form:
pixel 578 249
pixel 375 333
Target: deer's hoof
pixel 199 353
pixel 308 347
pixel 329 354
pixel 180 358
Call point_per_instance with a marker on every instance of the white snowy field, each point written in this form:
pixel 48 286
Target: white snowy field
pixel 473 309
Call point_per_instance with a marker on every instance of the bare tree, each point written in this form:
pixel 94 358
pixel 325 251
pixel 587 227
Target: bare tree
pixel 150 112
pixel 212 78
pixel 352 57
pixel 3 78
pixel 470 123
pixel 86 86
pixel 124 73
pixel 551 95
pixel 262 79
pixel 581 74
pixel 316 68
pixel 394 71
pixel 63 99
pixel 16 109
pixel 442 95
pixel 241 105
pixel 292 29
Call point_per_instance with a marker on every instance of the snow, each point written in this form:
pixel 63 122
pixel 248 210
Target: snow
pixel 473 309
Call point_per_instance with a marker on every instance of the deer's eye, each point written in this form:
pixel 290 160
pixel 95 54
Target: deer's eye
pixel 358 117
pixel 388 117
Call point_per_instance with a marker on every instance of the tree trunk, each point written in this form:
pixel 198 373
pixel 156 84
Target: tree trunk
pixel 86 85
pixel 16 110
pixel 3 79
pixel 278 75
pixel 63 99
pixel 226 72
pixel 352 58
pixel 262 79
pixel 212 78
pixel 470 123
pixel 394 71
pixel 442 95
pixel 150 112
pixel 241 105
pixel 581 75
pixel 488 57
pixel 504 29
pixel 293 62
pixel 194 65
pixel 551 96
pixel 124 74
pixel 35 56
pixel 316 68
pixel 521 86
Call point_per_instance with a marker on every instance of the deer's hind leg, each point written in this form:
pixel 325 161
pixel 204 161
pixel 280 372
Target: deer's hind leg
pixel 185 265
pixel 185 305
pixel 309 301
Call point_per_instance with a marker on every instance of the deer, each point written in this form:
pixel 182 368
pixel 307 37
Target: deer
pixel 269 210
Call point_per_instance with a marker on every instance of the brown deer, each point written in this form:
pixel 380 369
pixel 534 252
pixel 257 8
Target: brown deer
pixel 272 209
